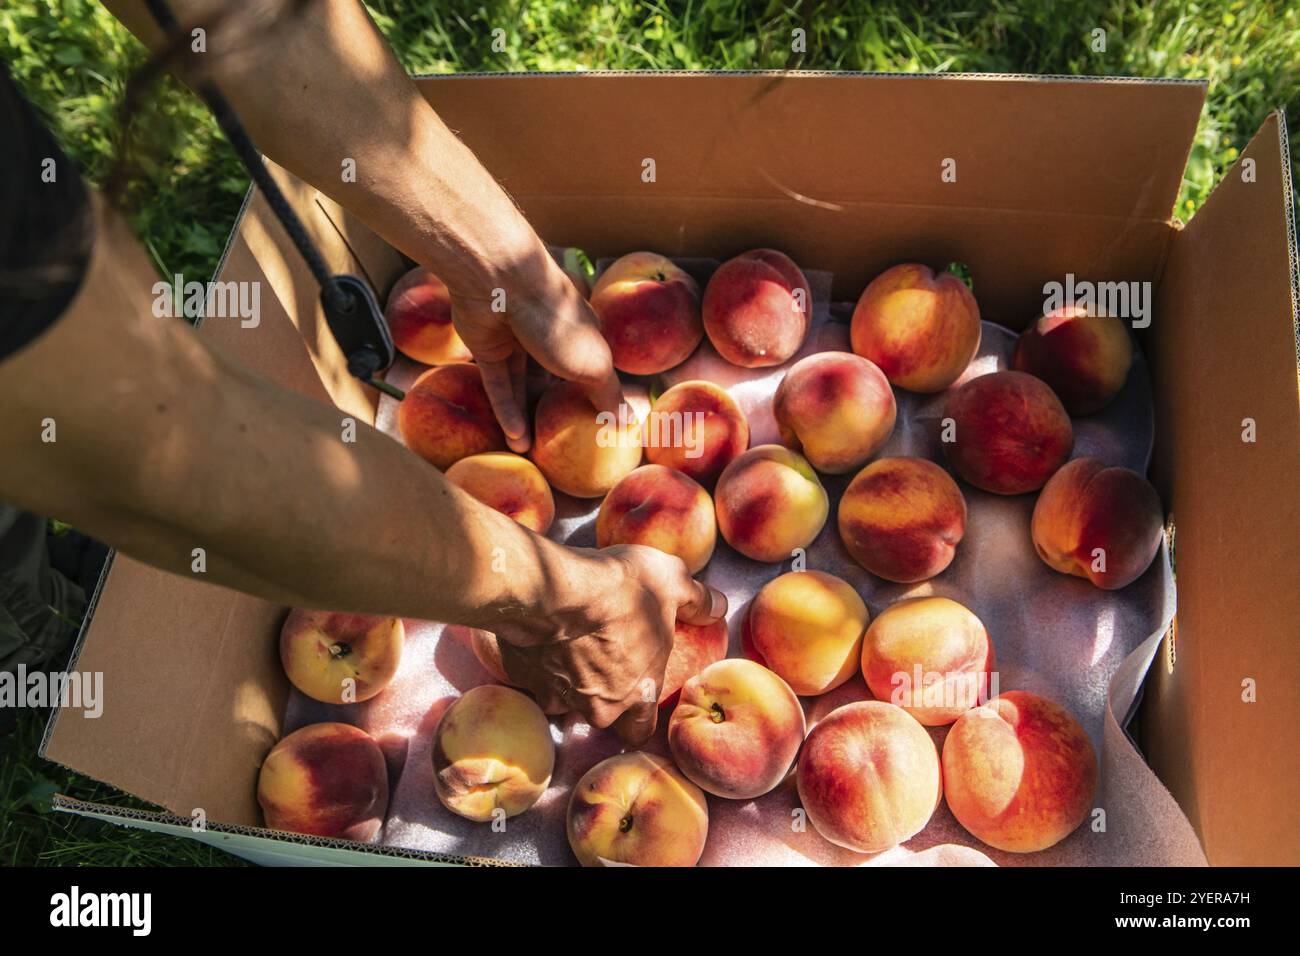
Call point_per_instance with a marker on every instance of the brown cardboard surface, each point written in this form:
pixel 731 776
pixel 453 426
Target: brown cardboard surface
pixel 1054 175
pixel 842 171
pixel 1224 340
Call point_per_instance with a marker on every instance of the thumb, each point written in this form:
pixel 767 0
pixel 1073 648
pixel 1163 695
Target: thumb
pixel 702 604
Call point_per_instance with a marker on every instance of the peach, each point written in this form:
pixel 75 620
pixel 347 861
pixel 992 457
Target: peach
pixel 446 416
pixel 921 327
pixel 695 647
pixel 697 428
pixel 418 314
pixel 1097 522
pixel 582 452
pixel 807 626
pixel 492 751
pixel 649 311
pixel 340 658
pixel 326 780
pixel 836 408
pixel 757 308
pixel 1010 433
pixel 661 508
pixel 902 518
pixel 1019 772
pixel 1082 355
pixel 636 809
pixel 508 483
pixel 736 730
pixel 929 655
pixel 769 502
pixel 869 776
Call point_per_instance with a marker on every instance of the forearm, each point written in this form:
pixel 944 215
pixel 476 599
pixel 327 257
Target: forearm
pixel 161 446
pixel 321 86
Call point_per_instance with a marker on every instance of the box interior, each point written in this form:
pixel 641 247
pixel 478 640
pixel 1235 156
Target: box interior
pixel 843 172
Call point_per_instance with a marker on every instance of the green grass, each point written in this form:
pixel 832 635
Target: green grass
pixel 72 60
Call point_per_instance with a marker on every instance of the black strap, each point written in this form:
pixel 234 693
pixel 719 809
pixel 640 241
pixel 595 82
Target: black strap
pixel 351 310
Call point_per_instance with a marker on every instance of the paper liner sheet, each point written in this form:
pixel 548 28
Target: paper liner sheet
pixel 1054 635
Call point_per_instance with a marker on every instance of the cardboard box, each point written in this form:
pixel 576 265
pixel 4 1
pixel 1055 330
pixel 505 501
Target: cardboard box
pixel 1054 175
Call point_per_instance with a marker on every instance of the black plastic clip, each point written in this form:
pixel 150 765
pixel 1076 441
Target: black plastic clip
pixel 358 326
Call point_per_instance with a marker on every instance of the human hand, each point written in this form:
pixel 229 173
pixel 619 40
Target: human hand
pixel 544 316
pixel 602 649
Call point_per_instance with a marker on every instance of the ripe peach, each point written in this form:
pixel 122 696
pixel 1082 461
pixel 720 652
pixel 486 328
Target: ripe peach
pixel 637 809
pixel 869 776
pixel 649 311
pixel 1010 433
pixel 340 658
pixel 1099 523
pixel 769 502
pixel 662 508
pixel 580 451
pixel 736 730
pixel 697 428
pixel 836 408
pixel 419 319
pixel 807 626
pixel 757 308
pixel 492 750
pixel 325 779
pixel 695 647
pixel 921 327
pixel 508 483
pixel 902 518
pixel 929 655
pixel 1084 357
pixel 1019 772
pixel 446 416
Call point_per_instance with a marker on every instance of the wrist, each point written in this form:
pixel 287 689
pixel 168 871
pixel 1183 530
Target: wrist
pixel 560 599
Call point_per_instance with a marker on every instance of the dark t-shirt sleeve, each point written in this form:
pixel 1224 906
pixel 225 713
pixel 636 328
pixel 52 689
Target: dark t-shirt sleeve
pixel 46 224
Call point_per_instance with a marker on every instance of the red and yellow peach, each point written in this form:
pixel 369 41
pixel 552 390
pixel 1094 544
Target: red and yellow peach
pixel 699 429
pixel 695 647
pixel 1097 522
pixel 929 655
pixel 508 483
pixel 1082 355
pixel 340 658
pixel 807 626
pixel 920 327
pixel 418 315
pixel 446 416
pixel 757 308
pixel 661 508
pixel 649 311
pixel 869 776
pixel 902 518
pixel 492 752
pixel 637 809
pixel 1010 433
pixel 1019 772
pixel 836 408
pixel 736 730
pixel 582 452
pixel 769 502
pixel 327 780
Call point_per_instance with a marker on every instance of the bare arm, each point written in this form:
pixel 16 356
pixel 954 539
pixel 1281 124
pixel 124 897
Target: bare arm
pixel 321 85
pixel 162 445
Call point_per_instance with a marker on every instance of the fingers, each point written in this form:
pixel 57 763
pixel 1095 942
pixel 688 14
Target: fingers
pixel 503 382
pixel 637 724
pixel 567 342
pixel 701 604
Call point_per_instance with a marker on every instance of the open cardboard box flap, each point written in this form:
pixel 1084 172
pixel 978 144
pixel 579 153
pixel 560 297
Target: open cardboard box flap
pixel 842 171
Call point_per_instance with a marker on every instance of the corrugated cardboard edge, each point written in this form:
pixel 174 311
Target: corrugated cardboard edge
pixel 1233 766
pixel 267 846
pixel 778 74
